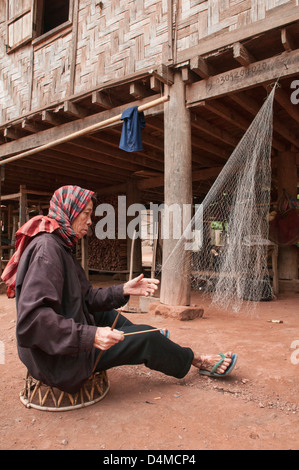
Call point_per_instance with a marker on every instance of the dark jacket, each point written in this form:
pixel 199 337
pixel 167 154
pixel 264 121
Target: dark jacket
pixel 55 306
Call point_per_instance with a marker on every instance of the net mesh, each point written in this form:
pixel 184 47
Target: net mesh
pixel 229 256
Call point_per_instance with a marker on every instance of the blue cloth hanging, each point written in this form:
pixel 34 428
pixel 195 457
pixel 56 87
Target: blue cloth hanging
pixel 133 123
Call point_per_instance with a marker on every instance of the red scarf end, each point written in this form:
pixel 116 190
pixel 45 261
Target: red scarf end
pixel 10 292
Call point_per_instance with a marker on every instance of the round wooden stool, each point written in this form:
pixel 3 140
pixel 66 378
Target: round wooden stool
pixel 46 398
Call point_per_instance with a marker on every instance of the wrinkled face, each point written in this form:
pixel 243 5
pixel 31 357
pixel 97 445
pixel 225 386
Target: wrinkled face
pixel 83 221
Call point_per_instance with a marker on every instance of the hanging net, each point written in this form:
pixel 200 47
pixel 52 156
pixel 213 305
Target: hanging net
pixel 230 228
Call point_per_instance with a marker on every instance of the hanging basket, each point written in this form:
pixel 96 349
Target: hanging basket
pixel 46 398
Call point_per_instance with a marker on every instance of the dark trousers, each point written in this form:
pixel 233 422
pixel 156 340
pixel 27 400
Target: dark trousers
pixel 153 350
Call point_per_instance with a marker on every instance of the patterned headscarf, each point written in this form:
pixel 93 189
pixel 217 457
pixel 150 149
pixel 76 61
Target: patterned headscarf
pixel 66 204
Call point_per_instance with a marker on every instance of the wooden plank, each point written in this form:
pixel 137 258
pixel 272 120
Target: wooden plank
pixel 9 197
pixel 243 78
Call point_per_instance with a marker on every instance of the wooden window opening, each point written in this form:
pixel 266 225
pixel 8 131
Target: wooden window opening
pixel 51 16
pixel 35 20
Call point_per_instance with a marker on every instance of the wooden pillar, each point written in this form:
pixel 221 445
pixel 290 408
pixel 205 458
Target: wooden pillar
pixel 23 205
pixel 133 197
pixel 0 221
pixel 175 282
pixel 84 254
pixel 287 179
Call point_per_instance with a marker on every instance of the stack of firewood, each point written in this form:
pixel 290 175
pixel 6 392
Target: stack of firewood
pixel 107 254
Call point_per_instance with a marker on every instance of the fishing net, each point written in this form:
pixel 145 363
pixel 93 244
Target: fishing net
pixel 230 228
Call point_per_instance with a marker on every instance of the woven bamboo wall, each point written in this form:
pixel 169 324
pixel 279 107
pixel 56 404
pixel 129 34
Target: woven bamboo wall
pixel 123 37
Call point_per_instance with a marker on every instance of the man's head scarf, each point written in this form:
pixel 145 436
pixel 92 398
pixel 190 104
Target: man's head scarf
pixel 66 204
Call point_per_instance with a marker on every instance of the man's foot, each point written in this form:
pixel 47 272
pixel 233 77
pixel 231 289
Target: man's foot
pixel 165 332
pixel 207 362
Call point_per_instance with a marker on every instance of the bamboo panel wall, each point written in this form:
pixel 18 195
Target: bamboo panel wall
pixel 122 37
pixel 51 72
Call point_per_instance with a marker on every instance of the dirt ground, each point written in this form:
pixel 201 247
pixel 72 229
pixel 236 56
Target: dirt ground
pixel 255 408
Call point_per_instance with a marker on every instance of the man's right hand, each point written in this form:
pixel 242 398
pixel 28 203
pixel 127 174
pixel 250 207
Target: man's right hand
pixel 105 338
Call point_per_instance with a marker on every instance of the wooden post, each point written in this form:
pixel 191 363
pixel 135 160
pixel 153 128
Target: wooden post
pixel 287 179
pixel 84 254
pixel 0 223
pixel 23 205
pixel 74 47
pixel 133 197
pixel 175 283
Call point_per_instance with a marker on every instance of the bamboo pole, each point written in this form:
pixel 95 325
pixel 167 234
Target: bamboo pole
pixel 75 135
pixel 142 331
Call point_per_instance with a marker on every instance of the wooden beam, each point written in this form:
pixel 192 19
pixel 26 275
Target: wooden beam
pixel 187 75
pixel 73 109
pixel 138 91
pixel 200 66
pixel 66 131
pixel 52 118
pixel 53 168
pixel 245 58
pixel 284 100
pixel 258 73
pixel 118 157
pixel 13 133
pixel 115 189
pixel 212 130
pixel 242 55
pixel 235 118
pixel 227 113
pixel 197 175
pixel 102 99
pixel 215 150
pixel 286 40
pixel 155 84
pixel 164 74
pixel 88 156
pixel 9 197
pixel 32 126
pixel 278 17
pixel 253 107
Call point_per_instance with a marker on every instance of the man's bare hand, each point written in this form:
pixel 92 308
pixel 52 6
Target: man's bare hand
pixel 105 338
pixel 141 286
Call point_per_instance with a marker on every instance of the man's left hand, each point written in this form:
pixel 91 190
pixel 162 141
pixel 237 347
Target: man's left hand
pixel 141 286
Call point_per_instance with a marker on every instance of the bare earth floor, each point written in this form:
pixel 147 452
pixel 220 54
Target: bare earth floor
pixel 256 407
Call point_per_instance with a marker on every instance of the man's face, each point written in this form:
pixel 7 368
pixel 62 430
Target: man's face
pixel 83 221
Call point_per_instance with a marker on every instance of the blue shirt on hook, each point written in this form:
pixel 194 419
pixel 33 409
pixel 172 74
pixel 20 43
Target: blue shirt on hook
pixel 133 123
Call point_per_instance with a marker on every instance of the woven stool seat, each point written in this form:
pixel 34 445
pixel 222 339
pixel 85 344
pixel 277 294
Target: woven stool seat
pixel 44 397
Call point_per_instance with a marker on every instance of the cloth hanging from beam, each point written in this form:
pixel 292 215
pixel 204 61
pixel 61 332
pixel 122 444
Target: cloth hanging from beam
pixel 133 124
